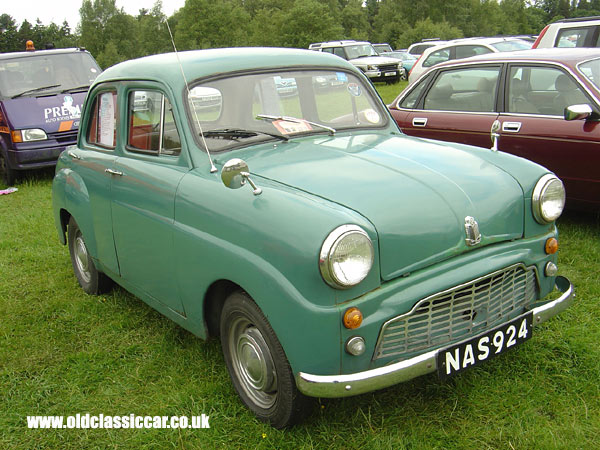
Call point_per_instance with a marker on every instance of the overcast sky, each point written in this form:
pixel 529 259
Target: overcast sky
pixel 59 11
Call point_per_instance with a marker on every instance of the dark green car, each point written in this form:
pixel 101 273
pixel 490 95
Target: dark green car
pixel 266 196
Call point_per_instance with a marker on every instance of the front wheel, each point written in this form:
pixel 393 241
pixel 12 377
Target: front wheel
pixel 257 364
pixel 90 279
pixel 7 175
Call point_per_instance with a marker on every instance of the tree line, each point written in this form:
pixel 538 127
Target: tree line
pixel 112 35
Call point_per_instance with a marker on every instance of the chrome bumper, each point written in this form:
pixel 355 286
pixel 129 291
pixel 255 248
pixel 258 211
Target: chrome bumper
pixel 382 377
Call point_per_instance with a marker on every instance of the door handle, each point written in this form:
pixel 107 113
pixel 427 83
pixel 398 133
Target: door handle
pixel 114 172
pixel 511 127
pixel 419 122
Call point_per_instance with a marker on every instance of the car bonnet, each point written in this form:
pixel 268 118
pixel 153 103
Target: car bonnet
pixel 418 194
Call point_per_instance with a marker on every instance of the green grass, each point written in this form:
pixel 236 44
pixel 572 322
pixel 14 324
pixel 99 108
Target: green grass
pixel 389 92
pixel 63 352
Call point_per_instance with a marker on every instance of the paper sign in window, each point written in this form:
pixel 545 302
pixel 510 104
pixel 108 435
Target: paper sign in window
pixel 107 120
pixel 287 127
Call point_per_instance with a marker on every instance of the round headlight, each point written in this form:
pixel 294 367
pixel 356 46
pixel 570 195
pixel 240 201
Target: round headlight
pixel 346 257
pixel 548 199
pixel 33 134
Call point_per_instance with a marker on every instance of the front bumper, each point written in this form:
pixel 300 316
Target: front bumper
pixel 333 386
pixel 387 75
pixel 30 157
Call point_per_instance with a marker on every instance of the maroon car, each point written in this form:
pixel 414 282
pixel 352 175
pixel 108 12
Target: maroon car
pixel 543 105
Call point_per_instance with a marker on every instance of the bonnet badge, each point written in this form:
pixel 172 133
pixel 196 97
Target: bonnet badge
pixel 472 231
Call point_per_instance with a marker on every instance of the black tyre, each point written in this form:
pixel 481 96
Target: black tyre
pixel 90 279
pixel 8 176
pixel 257 364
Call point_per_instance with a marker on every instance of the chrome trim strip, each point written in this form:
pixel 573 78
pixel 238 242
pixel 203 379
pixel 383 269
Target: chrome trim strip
pixel 332 386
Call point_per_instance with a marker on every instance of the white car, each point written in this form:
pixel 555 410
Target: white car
pixel 464 48
pixel 362 55
pixel 576 32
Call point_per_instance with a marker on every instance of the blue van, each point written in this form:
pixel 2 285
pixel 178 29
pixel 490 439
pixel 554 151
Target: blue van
pixel 41 97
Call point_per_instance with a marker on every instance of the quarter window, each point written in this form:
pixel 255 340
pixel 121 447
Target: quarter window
pixel 152 126
pixel 102 127
pixel 437 57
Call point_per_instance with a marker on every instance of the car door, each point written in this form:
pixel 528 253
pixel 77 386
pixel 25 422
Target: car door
pixel 457 104
pixel 144 185
pixel 91 163
pixel 533 126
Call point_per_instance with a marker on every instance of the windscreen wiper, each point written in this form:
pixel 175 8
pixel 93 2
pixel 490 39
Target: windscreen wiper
pixel 238 133
pixel 83 87
pixel 295 120
pixel 29 91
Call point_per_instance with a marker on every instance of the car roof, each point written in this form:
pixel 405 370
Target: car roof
pixel 343 43
pixel 205 63
pixel 479 40
pixel 568 56
pixel 578 19
pixel 29 54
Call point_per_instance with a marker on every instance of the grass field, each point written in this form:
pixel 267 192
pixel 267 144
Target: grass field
pixel 63 352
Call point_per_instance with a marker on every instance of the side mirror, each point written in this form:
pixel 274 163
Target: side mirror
pixel 578 112
pixel 235 174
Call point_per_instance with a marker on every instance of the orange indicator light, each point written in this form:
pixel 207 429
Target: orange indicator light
pixel 551 246
pixel 352 318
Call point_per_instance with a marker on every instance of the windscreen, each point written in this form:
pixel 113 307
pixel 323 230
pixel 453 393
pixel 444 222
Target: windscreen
pixel 244 109
pixel 46 73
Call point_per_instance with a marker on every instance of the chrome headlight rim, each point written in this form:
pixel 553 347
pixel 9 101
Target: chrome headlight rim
pixel 537 199
pixel 327 249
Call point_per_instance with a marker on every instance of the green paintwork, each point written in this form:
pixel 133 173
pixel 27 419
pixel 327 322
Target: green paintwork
pixel 169 229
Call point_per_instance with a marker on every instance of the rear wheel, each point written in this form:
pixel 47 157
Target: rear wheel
pixel 90 279
pixel 257 364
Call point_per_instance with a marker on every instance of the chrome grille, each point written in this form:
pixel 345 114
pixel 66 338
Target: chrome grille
pixel 459 312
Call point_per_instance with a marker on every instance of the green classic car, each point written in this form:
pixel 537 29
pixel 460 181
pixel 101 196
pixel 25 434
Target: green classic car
pixel 267 196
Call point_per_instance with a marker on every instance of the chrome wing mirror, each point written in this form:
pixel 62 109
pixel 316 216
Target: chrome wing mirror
pixel 235 174
pixel 578 112
pixel 495 135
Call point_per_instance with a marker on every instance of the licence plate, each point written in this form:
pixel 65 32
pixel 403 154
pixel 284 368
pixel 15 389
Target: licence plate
pixel 474 351
pixel 390 74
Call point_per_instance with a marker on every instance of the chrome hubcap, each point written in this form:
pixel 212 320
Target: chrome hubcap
pixel 81 258
pixel 252 363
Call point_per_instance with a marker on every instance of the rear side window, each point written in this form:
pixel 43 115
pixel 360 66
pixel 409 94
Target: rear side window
pixel 102 127
pixel 339 51
pixel 467 89
pixel 152 126
pixel 466 51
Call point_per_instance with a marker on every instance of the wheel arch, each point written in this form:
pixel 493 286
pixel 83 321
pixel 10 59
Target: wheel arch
pixel 214 300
